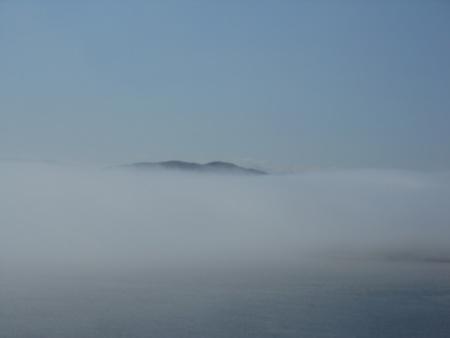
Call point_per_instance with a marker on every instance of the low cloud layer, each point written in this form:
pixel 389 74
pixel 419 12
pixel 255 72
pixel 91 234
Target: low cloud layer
pixel 89 217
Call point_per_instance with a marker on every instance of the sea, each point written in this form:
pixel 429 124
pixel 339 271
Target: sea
pixel 311 297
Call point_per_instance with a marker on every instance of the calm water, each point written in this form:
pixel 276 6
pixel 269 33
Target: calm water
pixel 315 298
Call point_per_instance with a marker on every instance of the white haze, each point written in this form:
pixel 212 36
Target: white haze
pixel 61 216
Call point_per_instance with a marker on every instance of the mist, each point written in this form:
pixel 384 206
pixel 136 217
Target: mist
pixel 62 216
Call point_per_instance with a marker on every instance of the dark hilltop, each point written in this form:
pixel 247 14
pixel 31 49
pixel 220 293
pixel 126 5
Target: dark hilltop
pixel 217 167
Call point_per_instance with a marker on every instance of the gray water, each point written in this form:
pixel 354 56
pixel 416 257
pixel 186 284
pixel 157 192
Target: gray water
pixel 334 297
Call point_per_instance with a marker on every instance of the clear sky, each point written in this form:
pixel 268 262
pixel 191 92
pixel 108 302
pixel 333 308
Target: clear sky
pixel 315 83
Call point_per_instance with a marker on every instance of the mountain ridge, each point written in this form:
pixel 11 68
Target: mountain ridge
pixel 219 167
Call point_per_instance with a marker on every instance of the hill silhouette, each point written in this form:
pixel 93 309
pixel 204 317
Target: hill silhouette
pixel 218 167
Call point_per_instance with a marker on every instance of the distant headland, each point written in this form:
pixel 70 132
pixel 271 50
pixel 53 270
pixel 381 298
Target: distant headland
pixel 216 167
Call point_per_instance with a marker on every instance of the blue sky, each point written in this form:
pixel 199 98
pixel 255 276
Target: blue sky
pixel 281 83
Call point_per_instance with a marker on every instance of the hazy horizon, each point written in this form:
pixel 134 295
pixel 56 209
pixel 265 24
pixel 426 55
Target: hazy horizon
pixel 355 212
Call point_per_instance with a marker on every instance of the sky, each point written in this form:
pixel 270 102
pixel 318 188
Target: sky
pixel 347 84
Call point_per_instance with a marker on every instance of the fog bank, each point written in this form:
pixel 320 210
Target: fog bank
pixel 54 215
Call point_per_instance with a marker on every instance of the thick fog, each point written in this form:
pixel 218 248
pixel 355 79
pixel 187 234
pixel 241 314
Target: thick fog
pixel 71 216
